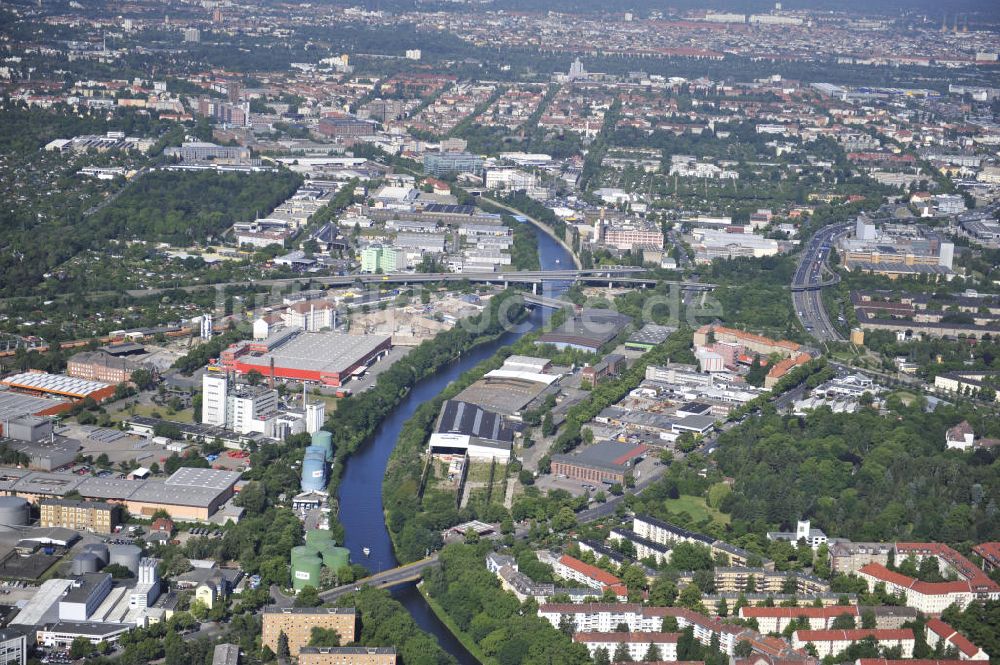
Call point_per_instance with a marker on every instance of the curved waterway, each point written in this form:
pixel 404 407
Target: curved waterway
pixel 360 492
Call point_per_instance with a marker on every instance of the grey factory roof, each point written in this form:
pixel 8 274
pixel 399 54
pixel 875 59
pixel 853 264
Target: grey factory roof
pixel 83 586
pixel 89 628
pixel 323 352
pixel 651 334
pixel 9 477
pixel 459 417
pixel 207 478
pixel 186 487
pixel 108 488
pixel 39 482
pixel 43 606
pixel 604 455
pixel 14 404
pixel 158 491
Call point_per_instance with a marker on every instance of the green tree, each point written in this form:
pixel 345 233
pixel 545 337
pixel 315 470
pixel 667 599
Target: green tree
pixel 283 650
pixel 308 597
pixel 622 654
pixel 323 637
pixel 843 621
pixel 80 647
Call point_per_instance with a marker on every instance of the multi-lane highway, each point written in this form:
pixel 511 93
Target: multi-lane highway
pixel 811 276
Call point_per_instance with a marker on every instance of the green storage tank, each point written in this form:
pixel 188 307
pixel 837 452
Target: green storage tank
pixel 334 557
pixel 324 440
pixel 306 567
pixel 317 538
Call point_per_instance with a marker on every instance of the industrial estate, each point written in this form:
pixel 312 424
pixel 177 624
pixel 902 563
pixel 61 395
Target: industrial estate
pixel 455 333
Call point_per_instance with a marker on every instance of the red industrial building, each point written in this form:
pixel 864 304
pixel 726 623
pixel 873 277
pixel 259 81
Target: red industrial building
pixel 326 358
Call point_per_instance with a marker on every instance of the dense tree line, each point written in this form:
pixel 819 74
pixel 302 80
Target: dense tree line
pixel 864 476
pixel 505 630
pixel 384 621
pixel 184 208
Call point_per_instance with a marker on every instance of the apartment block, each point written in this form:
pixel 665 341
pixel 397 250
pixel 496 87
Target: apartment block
pixel 348 656
pixel 95 516
pixel 297 624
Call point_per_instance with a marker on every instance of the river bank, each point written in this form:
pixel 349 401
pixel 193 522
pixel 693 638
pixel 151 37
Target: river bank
pixel 359 490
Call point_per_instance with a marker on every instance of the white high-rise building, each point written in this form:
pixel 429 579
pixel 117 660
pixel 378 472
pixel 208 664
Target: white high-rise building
pixel 315 416
pixel 214 399
pixel 206 326
pixel 864 229
pixel 249 409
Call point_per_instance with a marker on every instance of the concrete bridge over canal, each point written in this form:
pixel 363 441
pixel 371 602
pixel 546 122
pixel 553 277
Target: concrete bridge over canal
pixel 405 574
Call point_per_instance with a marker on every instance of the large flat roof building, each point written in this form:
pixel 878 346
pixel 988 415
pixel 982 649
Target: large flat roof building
pixel 605 462
pixel 188 494
pixel 588 331
pixel 60 385
pixel 328 358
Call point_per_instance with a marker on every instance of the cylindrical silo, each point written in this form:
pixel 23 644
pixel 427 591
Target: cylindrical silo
pixel 324 440
pixel 85 563
pixel 13 512
pixel 316 539
pixel 306 567
pixel 314 470
pixel 126 555
pixel 335 557
pixel 100 550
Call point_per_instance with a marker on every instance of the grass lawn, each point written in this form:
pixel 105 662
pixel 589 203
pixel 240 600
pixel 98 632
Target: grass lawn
pixel 696 507
pixel 183 416
pixel 904 396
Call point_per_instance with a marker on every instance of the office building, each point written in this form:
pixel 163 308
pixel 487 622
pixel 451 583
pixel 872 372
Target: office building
pixel 439 164
pixel 13 646
pixel 346 127
pixel 240 408
pixel 199 151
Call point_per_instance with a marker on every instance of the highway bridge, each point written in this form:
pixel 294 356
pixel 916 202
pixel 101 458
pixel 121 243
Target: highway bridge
pixel 601 275
pixel 621 276
pixel 405 574
pixel 811 277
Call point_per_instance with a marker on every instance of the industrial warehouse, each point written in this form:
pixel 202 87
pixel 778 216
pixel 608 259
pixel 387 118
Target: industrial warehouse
pixel 42 394
pixel 328 358
pixel 189 493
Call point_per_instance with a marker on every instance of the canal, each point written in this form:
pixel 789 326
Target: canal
pixel 360 492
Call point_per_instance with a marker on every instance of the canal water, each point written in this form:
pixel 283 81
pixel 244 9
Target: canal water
pixel 360 492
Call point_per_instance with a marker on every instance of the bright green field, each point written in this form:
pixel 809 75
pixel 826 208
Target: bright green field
pixel 696 507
